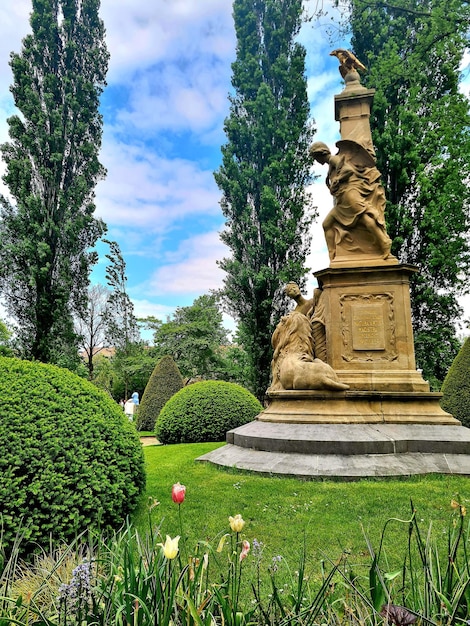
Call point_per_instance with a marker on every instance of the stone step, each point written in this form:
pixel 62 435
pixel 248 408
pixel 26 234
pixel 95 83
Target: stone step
pixel 345 467
pixel 351 439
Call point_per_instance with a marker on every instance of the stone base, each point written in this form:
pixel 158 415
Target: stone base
pixel 355 407
pixel 346 451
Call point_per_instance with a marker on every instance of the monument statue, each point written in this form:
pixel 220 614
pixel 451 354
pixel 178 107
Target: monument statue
pixel 314 309
pixel 349 63
pixel 293 365
pixel 343 368
pixel 359 197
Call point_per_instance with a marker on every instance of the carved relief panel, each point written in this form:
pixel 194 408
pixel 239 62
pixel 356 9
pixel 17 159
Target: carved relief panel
pixel 368 327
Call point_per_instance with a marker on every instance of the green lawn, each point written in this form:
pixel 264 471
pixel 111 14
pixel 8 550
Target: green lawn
pixel 282 512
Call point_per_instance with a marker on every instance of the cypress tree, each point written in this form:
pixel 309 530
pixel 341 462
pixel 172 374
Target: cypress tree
pixel 52 168
pixel 264 173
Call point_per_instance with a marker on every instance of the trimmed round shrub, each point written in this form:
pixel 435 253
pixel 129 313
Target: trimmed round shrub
pixel 205 412
pixel 69 458
pixel 163 383
pixel 456 386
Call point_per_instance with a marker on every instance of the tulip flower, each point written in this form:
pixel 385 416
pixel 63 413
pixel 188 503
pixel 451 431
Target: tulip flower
pixel 236 523
pixel 245 550
pixel 170 547
pixel 177 493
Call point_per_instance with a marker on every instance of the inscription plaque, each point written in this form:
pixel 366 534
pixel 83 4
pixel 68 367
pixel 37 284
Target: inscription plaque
pixel 368 328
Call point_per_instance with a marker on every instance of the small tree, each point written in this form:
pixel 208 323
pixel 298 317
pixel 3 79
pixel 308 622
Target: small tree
pixel 193 336
pixel 91 325
pixel 163 383
pixel 456 386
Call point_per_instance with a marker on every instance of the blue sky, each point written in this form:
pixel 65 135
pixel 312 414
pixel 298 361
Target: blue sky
pixel 163 110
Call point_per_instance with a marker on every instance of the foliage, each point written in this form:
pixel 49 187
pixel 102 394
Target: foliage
pixel 70 459
pixel 456 386
pixel 122 374
pixel 264 173
pixel 121 324
pixel 5 340
pixel 420 126
pixel 205 412
pixel 434 579
pixel 163 383
pixel 51 170
pixel 229 577
pixel 192 337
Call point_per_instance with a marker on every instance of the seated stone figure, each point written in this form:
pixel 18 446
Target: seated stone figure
pixel 293 365
pixel 314 309
pixel 304 306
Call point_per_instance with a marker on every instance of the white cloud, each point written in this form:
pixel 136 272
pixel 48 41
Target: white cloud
pixel 192 269
pixel 141 34
pixel 144 190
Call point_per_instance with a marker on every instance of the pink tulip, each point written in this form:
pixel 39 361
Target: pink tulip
pixel 245 549
pixel 177 493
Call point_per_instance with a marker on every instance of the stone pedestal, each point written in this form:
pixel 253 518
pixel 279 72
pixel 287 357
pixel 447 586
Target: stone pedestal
pixel 369 336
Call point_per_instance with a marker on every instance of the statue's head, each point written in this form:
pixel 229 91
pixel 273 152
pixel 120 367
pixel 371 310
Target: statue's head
pixel 319 151
pixel 292 289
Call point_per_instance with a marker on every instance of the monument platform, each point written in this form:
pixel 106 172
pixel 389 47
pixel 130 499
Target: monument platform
pixel 345 451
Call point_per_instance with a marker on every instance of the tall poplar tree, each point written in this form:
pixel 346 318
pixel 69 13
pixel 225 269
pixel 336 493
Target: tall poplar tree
pixel 264 173
pixel 421 129
pixel 52 168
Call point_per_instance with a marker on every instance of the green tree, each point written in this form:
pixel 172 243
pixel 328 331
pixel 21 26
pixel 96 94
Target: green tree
pixel 52 168
pixel 420 126
pixel 122 329
pixel 193 336
pixel 264 173
pixel 456 386
pixel 121 324
pixel 163 383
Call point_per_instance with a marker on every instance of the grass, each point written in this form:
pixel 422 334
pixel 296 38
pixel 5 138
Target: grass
pixel 284 513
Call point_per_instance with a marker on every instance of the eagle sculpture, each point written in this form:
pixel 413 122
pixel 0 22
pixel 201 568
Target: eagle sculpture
pixel 348 61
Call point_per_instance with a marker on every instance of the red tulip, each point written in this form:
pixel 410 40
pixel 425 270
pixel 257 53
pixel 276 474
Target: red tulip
pixel 177 493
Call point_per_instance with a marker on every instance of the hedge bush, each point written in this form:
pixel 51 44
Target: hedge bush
pixel 69 458
pixel 456 386
pixel 205 411
pixel 163 383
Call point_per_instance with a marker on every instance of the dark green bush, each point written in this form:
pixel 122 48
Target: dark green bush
pixel 205 412
pixel 69 457
pixel 164 382
pixel 456 386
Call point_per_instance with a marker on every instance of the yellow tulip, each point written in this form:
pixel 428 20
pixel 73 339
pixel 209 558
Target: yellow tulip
pixel 236 523
pixel 170 547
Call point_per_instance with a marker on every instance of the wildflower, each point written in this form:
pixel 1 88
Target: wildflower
pixel 170 547
pixel 257 547
pixel 236 523
pixel 397 615
pixel 79 588
pixel 275 562
pixel 177 493
pixel 153 502
pixel 245 550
